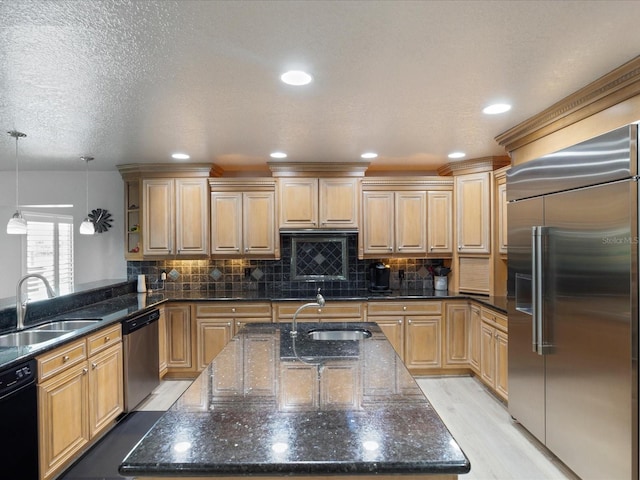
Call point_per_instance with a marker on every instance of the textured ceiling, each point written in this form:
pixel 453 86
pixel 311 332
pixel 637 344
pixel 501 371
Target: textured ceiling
pixel 134 81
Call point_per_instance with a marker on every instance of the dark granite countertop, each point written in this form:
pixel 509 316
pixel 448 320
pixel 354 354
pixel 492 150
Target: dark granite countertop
pixel 340 408
pixel 124 306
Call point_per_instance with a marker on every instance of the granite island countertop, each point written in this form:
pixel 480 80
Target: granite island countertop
pixel 270 405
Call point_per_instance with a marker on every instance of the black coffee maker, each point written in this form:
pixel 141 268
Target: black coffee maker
pixel 379 276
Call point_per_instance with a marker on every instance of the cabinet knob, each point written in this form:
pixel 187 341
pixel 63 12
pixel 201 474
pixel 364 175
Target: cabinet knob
pixel 85 371
pixel 107 338
pixel 390 249
pixel 459 247
pixel 409 322
pixel 246 249
pixel 233 310
pixel 404 308
pixel 431 248
pixel 400 322
pixel 228 324
pixel 94 365
pixel 65 358
pixel 319 310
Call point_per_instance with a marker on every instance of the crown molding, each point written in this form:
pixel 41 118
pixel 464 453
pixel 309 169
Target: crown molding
pixel 317 169
pixel 605 92
pixel 167 169
pixel 474 165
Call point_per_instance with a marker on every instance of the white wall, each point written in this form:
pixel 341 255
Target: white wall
pixel 97 257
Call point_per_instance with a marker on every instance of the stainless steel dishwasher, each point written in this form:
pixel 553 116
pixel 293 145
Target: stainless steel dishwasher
pixel 141 358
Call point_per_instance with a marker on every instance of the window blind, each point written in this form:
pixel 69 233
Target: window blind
pixel 49 252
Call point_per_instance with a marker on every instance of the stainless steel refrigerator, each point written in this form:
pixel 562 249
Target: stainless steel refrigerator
pixel 573 303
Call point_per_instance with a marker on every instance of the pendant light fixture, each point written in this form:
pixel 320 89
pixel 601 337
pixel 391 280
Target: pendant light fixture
pixel 17 225
pixel 87 227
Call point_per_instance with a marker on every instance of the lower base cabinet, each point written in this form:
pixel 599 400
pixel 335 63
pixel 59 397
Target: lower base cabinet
pixel 494 352
pixel 80 394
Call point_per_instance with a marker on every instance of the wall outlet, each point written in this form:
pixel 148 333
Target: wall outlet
pixel 247 272
pixel 163 276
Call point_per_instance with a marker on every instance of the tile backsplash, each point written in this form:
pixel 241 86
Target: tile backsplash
pixel 276 275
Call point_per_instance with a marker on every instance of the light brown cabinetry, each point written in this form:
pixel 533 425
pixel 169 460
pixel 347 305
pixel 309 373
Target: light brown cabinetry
pixel 494 351
pixel 318 202
pixel 440 222
pixel 394 223
pixel 166 210
pixel 457 334
pixel 162 342
pixel 175 216
pixel 243 219
pixel 179 341
pixel 80 394
pixel 473 213
pixel 474 332
pixel 331 312
pixel 418 324
pixel 216 324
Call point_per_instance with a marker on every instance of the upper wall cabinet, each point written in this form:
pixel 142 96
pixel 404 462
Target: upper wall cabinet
pixel 406 217
pixel 318 202
pixel 440 222
pixel 243 219
pixel 170 216
pixel 473 212
pixel 318 195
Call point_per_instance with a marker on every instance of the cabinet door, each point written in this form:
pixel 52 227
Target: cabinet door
pixel 179 336
pixel 393 328
pixel 226 223
pixel 211 337
pixel 340 387
pixel 457 335
pixel 474 346
pixel 157 220
pixel 297 387
pixel 106 392
pixel 192 216
pixel 487 355
pixel 422 342
pixel 411 222
pixel 338 202
pixel 162 342
pixel 502 355
pixel 473 216
pixel 502 218
pixel 259 224
pixel 63 413
pixel 378 222
pixel 299 203
pixel 440 222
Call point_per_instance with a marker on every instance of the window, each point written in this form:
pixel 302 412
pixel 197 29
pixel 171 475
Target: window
pixel 49 252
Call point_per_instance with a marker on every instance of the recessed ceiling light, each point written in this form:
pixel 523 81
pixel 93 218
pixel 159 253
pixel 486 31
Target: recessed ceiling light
pixel 457 155
pixel 496 108
pixel 296 77
pixel 180 156
pixel 369 155
pixel 278 155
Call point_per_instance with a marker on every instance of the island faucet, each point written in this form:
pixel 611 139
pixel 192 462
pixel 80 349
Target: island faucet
pixel 318 303
pixel 21 305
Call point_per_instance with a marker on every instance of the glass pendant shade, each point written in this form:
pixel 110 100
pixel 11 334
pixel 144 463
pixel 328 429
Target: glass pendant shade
pixel 87 227
pixel 17 225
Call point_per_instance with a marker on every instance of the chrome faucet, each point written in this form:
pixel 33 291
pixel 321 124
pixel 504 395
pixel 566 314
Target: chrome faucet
pixel 318 303
pixel 21 305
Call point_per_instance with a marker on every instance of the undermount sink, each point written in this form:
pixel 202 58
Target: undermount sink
pixel 29 337
pixel 65 325
pixel 339 334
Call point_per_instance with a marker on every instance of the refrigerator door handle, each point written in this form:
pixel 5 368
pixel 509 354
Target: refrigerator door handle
pixel 538 234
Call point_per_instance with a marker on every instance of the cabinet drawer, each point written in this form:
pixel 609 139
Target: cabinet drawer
pixel 335 311
pixel 104 338
pixel 405 308
pixel 494 318
pixel 61 358
pixel 234 310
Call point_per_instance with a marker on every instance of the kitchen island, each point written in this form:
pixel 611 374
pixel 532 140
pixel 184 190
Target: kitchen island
pixel 272 405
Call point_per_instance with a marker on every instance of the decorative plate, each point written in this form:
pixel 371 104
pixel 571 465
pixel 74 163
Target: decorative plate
pixel 101 219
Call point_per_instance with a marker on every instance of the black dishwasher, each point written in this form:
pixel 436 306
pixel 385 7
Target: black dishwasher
pixel 19 422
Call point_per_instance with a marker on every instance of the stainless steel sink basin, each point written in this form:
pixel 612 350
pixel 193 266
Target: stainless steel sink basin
pixel 28 337
pixel 66 325
pixel 339 334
